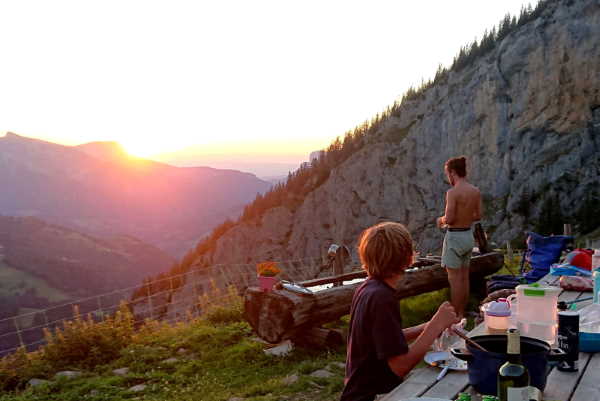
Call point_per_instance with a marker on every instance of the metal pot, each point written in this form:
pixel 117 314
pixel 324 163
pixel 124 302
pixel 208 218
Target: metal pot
pixel 484 366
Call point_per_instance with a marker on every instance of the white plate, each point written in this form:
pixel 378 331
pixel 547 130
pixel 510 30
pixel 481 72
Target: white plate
pixel 452 362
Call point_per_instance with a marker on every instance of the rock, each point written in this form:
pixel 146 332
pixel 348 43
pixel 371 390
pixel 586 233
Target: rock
pixel 340 365
pixel 170 361
pixel 68 374
pixel 322 373
pixel 280 350
pixel 94 393
pixel 236 399
pixel 182 351
pixel 259 340
pixel 138 388
pixel 121 371
pixel 525 114
pixel 291 379
pixel 37 382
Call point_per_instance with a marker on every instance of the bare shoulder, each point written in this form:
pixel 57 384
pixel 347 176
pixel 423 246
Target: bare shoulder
pixel 475 190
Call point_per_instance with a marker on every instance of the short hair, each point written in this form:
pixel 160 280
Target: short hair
pixel 458 165
pixel 385 249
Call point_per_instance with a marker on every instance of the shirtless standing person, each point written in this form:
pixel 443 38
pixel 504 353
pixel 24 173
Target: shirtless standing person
pixel 463 207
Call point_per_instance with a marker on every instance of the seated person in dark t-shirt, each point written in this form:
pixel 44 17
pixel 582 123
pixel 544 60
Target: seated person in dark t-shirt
pixel 378 355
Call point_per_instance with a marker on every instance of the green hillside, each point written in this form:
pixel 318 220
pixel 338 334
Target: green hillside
pixel 15 282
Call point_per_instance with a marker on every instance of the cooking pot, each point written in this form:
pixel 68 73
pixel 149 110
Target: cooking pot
pixel 484 366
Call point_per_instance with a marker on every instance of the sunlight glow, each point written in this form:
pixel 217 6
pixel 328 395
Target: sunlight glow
pixel 151 147
pixel 161 76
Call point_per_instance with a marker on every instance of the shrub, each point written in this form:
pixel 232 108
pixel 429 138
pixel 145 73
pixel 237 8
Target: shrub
pixel 222 306
pixel 85 343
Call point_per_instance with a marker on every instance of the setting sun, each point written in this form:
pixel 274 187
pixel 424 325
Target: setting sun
pixel 146 148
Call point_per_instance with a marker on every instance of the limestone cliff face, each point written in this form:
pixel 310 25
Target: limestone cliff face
pixel 527 115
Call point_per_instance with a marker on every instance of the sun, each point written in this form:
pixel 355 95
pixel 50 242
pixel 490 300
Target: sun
pixel 148 148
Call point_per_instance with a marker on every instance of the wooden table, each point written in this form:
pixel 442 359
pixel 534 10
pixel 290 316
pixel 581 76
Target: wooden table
pixel 583 385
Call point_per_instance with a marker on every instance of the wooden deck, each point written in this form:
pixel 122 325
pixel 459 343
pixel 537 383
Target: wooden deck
pixel 583 385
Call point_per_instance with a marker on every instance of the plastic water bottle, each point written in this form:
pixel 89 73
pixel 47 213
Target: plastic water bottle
pixel 596 275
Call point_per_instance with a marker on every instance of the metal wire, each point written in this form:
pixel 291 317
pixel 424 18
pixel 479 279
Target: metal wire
pixel 211 282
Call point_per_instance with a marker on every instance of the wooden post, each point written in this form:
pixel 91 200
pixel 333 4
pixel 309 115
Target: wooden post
pixel 509 252
pixel 339 263
pixel 481 239
pixel 567 230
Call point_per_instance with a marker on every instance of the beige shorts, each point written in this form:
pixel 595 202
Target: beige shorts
pixel 457 250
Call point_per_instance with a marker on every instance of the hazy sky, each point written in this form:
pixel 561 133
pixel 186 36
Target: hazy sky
pixel 260 77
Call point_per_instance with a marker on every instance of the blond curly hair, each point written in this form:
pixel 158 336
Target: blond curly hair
pixel 385 249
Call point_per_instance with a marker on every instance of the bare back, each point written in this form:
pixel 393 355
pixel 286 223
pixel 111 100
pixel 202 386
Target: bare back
pixel 463 205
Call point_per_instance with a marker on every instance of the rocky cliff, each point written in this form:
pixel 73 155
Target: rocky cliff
pixel 527 116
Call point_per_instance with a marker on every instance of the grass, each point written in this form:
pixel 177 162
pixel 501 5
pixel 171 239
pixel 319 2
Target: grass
pixel 218 358
pixel 16 282
pixel 220 361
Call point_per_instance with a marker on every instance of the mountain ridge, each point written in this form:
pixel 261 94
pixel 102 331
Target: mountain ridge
pixel 168 206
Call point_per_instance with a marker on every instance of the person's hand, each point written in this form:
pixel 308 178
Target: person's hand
pixel 440 222
pixel 445 316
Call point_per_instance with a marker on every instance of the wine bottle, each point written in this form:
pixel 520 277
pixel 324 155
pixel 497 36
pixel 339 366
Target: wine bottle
pixel 513 377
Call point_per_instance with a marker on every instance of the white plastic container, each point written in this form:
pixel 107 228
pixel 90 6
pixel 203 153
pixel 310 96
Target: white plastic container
pixel 596 259
pixel 496 315
pixel 542 331
pixel 537 303
pixel 537 312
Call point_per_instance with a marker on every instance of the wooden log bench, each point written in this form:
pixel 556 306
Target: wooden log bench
pixel 283 314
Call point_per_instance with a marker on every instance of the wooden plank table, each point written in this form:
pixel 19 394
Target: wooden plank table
pixel 583 385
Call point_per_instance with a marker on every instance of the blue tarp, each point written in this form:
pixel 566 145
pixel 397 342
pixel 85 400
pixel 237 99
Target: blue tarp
pixel 542 252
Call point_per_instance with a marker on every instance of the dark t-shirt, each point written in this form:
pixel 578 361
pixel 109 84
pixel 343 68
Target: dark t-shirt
pixel 375 335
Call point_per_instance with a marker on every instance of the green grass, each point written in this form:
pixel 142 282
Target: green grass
pixel 221 360
pixel 16 282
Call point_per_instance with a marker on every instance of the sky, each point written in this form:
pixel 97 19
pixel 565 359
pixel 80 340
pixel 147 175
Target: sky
pixel 262 80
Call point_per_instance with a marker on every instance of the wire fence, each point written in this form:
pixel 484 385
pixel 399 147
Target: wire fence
pixel 169 299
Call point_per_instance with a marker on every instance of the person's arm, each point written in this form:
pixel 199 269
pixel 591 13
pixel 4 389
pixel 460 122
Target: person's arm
pixel 444 317
pixel 450 212
pixel 411 333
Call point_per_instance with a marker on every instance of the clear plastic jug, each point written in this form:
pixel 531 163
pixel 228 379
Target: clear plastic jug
pixel 537 303
pixel 537 311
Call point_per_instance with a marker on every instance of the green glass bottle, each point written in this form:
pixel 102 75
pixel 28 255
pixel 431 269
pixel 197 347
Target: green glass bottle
pixel 513 378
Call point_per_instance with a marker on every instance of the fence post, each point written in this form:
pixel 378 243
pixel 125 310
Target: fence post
pixel 341 254
pixel 100 309
pixel 150 300
pixel 509 251
pixel 18 331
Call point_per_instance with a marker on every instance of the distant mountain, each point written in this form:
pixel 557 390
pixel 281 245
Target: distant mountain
pixel 42 264
pixel 262 166
pixel 98 189
pixel 108 151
